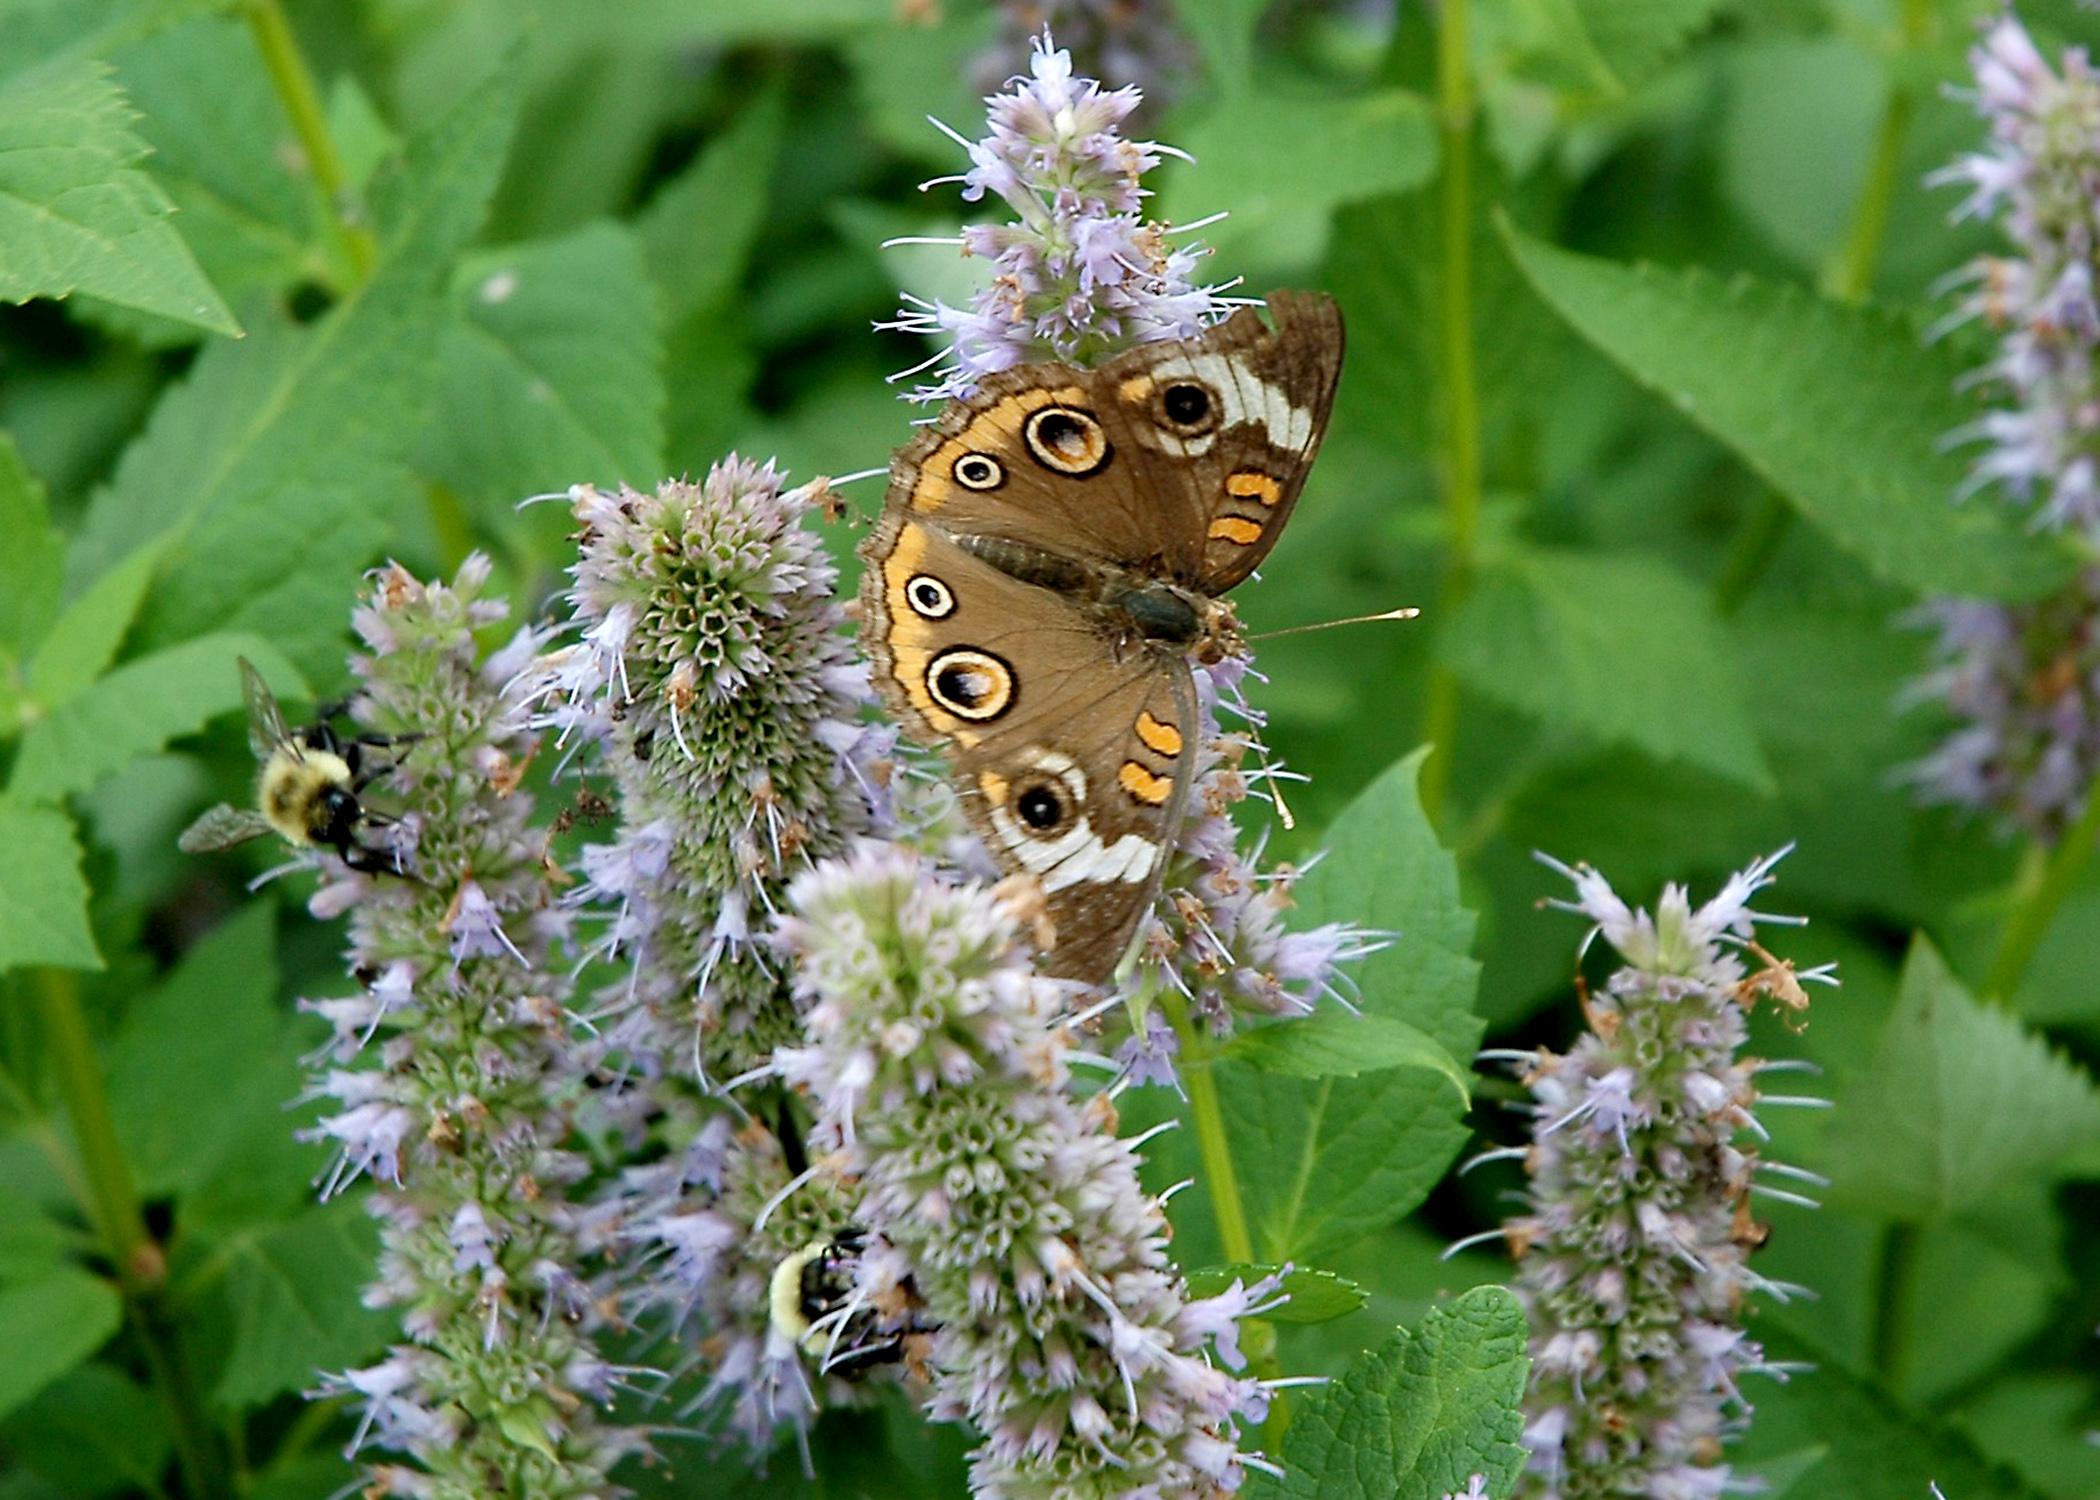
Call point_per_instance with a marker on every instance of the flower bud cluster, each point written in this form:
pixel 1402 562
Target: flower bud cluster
pixel 1000 1205
pixel 452 1077
pixel 1634 1249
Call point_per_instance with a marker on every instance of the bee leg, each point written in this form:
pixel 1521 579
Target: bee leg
pixel 369 861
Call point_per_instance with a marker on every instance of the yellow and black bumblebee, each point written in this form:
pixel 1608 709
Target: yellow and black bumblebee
pixel 811 1304
pixel 306 791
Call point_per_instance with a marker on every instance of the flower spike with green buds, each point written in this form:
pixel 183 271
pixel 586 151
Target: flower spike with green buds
pixel 1008 1207
pixel 452 1072
pixel 1633 1254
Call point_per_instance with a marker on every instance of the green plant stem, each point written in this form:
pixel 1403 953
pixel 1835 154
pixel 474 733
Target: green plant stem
pixel 1460 381
pixel 1895 1283
pixel 2030 920
pixel 112 1203
pixel 294 82
pixel 1219 1178
pixel 1846 280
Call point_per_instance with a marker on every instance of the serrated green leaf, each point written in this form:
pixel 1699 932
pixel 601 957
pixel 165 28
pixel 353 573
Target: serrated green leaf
pixel 43 899
pixel 30 565
pixel 1961 1103
pixel 697 231
pixel 1844 411
pixel 1864 1445
pixel 1316 1296
pixel 49 1325
pixel 294 1293
pixel 93 1431
pixel 1418 1417
pixel 550 371
pixel 84 639
pixel 136 710
pixel 1323 1162
pixel 76 216
pixel 1616 646
pixel 1338 1046
pixel 275 471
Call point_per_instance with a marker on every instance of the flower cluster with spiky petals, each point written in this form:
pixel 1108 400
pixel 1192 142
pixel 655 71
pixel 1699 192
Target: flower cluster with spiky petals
pixel 453 1080
pixel 2022 681
pixel 1003 1206
pixel 1079 272
pixel 1139 41
pixel 1634 1251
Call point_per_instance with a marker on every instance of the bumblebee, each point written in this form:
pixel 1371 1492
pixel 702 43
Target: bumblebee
pixel 306 791
pixel 808 1297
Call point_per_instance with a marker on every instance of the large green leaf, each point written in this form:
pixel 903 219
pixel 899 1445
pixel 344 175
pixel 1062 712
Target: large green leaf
pixel 697 231
pixel 88 632
pixel 1844 411
pixel 1633 38
pixel 135 711
pixel 550 371
pixel 274 473
pixel 93 1431
pixel 47 1326
pixel 75 213
pixel 1961 1105
pixel 1418 1417
pixel 1331 1045
pixel 30 564
pixel 294 1291
pixel 1315 1296
pixel 43 899
pixel 1617 646
pixel 1325 1161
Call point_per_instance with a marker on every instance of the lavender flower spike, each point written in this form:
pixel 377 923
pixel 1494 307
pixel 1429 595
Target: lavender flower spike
pixel 1079 274
pixel 999 1201
pixel 1633 1252
pixel 2038 176
pixel 452 1073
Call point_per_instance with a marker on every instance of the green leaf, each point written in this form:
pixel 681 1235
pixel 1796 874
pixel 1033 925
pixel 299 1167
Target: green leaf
pixel 1326 1161
pixel 697 231
pixel 1253 161
pixel 1617 646
pixel 31 1241
pixel 85 639
pixel 135 711
pixel 1336 1046
pixel 1860 1443
pixel 92 1431
pixel 43 900
pixel 1224 33
pixel 75 215
pixel 1418 1417
pixel 294 1291
pixel 1844 411
pixel 203 1062
pixel 275 472
pixel 30 564
pixel 1636 37
pixel 1316 1296
pixel 1961 1104
pixel 49 1325
pixel 550 371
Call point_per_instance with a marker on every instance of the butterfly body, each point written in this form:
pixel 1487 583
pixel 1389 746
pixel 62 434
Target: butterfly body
pixel 1053 552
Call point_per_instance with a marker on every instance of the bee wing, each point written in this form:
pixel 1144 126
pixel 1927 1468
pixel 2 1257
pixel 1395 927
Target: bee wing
pixel 221 828
pixel 266 731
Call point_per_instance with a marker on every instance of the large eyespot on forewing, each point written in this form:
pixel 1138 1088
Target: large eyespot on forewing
pixel 971 684
pixel 1067 440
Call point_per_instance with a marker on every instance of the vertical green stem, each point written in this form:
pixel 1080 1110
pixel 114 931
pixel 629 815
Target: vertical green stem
pixel 1895 1282
pixel 1220 1180
pixel 1460 381
pixel 2030 920
pixel 1846 279
pixel 113 1204
pixel 294 82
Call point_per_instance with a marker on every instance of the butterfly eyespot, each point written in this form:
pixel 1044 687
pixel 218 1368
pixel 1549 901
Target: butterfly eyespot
pixel 979 471
pixel 1187 405
pixel 1066 440
pixel 929 597
pixel 1040 808
pixel 971 684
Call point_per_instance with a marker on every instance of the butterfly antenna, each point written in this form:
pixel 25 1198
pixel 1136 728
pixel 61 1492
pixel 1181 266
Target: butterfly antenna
pixel 1408 612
